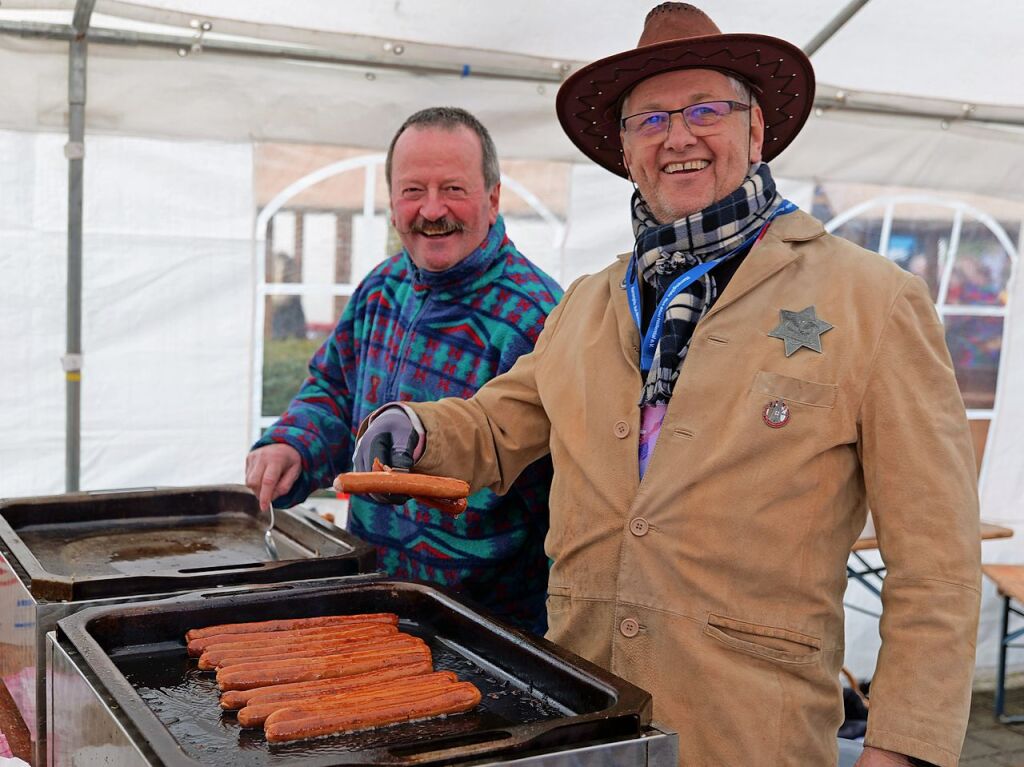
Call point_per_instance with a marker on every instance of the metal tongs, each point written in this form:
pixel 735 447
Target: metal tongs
pixel 268 535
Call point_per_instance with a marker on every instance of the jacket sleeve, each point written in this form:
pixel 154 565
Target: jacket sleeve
pixel 533 485
pixel 921 481
pixel 318 420
pixel 490 438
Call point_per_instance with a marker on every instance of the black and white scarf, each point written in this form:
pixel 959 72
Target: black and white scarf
pixel 665 251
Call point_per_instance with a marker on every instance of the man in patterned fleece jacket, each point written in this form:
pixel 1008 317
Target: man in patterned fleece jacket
pixel 455 308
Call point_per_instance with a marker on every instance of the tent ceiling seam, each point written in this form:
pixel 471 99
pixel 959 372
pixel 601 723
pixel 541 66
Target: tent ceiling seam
pixel 183 44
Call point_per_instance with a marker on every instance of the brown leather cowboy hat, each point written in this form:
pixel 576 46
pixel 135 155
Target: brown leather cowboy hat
pixel 680 36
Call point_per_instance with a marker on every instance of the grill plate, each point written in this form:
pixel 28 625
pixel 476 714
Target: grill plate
pixel 536 696
pixel 83 546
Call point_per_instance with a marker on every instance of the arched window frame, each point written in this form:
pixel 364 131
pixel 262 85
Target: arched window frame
pixel 944 309
pixel 370 165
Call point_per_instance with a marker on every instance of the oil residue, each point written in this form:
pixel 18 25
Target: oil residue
pixel 146 545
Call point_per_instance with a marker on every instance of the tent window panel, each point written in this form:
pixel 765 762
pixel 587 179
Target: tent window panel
pixel 290 340
pixel 319 250
pixel 919 241
pixel 975 344
pixel 981 271
pixel 863 231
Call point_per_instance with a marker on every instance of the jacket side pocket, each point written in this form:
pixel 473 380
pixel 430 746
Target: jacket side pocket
pixel 559 599
pixel 770 642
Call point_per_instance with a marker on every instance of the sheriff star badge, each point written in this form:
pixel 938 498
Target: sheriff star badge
pixel 798 329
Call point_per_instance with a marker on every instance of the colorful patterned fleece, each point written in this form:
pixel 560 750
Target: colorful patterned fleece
pixel 412 335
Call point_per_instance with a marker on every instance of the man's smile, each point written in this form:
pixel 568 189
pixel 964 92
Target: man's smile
pixel 689 166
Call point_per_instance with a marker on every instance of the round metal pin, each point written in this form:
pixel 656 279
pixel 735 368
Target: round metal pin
pixel 776 414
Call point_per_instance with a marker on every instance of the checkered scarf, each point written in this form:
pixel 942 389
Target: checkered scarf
pixel 665 251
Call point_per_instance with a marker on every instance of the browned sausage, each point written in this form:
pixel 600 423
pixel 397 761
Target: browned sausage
pixel 453 507
pixel 295 724
pixel 225 655
pixel 358 700
pixel 289 624
pixel 262 639
pixel 233 699
pixel 382 646
pixel 245 676
pixel 254 714
pixel 400 483
pixel 211 661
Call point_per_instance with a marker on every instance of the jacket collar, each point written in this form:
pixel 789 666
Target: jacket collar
pixel 767 257
pixel 793 227
pixel 470 271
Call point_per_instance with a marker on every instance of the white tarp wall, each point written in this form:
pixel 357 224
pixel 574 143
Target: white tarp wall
pixel 167 310
pixel 1002 480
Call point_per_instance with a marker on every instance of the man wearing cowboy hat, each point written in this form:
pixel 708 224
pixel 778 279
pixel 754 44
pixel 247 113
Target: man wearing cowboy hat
pixel 702 513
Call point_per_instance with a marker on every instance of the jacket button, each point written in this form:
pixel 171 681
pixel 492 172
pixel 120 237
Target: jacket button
pixel 638 526
pixel 621 429
pixel 629 627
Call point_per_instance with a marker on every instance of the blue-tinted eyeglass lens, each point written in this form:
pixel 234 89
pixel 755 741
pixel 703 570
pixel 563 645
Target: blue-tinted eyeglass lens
pixel 707 114
pixel 652 122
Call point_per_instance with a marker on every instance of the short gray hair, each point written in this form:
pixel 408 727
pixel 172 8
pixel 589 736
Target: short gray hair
pixel 744 91
pixel 451 118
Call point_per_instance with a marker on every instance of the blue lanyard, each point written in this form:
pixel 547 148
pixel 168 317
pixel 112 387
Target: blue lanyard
pixel 679 284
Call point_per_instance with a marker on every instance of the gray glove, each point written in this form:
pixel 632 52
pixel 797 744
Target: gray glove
pixel 391 438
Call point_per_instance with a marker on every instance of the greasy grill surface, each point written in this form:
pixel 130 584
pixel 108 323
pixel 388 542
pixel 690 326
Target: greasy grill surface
pixel 145 544
pixel 81 546
pixel 535 695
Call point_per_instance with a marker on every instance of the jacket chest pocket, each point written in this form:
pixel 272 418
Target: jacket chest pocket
pixel 784 401
pixel 793 418
pixel 794 390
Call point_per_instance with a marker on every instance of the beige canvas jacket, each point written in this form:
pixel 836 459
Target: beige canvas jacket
pixel 716 583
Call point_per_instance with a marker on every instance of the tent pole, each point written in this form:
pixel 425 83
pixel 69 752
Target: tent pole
pixel 833 26
pixel 541 71
pixel 74 150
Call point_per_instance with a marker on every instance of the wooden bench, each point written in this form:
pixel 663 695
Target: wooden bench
pixel 1009 579
pixel 871 576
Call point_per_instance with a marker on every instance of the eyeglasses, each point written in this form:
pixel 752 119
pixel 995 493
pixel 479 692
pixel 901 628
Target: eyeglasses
pixel 701 119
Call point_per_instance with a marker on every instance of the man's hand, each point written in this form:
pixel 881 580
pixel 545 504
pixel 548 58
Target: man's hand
pixel 879 757
pixel 271 470
pixel 391 438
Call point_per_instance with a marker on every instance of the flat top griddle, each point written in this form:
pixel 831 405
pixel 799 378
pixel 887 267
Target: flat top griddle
pixel 126 543
pixel 536 696
pixel 145 544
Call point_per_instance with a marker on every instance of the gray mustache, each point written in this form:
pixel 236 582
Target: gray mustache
pixel 441 226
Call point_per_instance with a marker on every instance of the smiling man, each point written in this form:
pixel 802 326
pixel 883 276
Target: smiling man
pixel 721 406
pixel 442 205
pixel 455 308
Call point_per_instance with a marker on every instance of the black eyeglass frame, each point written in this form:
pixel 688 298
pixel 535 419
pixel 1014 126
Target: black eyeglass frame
pixel 734 106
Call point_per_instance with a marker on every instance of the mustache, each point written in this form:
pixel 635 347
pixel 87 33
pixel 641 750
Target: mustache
pixel 442 225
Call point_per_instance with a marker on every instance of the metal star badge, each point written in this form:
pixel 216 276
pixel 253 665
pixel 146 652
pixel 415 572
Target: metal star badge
pixel 799 329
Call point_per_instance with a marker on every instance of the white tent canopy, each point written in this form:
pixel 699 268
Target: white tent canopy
pixel 912 93
pixel 910 56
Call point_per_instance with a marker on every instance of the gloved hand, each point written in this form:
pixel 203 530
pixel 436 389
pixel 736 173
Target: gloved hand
pixel 391 438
